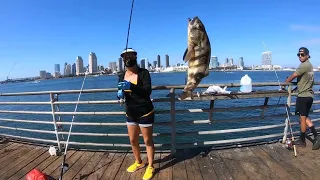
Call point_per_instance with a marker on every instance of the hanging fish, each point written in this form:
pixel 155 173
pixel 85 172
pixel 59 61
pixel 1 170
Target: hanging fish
pixel 197 55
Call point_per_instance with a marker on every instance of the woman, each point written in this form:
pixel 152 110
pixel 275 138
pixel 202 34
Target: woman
pixel 135 87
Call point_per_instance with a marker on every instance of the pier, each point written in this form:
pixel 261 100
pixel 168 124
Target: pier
pixel 251 152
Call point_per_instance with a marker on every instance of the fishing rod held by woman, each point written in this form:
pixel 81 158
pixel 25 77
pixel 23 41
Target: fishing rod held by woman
pixel 135 87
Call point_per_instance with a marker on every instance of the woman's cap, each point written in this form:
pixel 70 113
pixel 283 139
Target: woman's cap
pixel 128 50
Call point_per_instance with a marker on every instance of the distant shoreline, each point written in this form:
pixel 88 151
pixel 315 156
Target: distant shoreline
pixel 91 75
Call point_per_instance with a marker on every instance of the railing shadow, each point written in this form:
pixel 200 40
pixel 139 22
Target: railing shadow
pixel 181 155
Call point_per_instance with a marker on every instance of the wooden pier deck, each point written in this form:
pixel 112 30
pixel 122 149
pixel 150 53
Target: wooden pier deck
pixel 270 161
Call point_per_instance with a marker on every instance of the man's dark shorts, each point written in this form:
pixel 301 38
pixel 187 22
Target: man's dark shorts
pixel 303 105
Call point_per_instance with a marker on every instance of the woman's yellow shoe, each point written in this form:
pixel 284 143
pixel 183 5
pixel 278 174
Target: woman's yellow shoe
pixel 135 166
pixel 149 173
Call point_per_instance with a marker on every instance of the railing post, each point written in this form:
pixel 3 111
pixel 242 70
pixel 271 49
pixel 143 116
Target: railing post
pixel 54 120
pixel 264 107
pixel 173 121
pixel 285 133
pixel 211 109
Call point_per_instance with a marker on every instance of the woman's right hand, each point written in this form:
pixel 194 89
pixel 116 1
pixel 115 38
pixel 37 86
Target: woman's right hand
pixel 120 94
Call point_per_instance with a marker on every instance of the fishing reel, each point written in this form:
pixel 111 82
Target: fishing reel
pixel 121 96
pixel 289 144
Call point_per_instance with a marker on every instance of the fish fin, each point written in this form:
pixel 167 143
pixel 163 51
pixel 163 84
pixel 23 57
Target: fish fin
pixel 185 94
pixel 188 54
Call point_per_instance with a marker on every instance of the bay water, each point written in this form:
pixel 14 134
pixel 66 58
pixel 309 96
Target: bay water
pixel 174 78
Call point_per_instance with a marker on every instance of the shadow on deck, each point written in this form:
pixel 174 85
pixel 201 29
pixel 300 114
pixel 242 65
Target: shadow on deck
pixel 270 161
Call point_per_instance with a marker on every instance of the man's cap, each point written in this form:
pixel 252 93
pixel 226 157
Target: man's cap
pixel 305 50
pixel 128 50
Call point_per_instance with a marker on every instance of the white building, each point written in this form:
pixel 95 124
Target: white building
pixel 68 70
pixel 79 65
pixel 266 58
pixel 93 63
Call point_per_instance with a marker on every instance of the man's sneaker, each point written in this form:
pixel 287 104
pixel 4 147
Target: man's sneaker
pixel 149 173
pixel 316 143
pixel 299 143
pixel 135 166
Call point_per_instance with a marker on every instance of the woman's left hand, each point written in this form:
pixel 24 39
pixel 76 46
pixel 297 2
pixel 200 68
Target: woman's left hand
pixel 125 85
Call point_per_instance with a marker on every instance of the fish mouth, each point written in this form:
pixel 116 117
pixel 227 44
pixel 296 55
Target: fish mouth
pixel 191 21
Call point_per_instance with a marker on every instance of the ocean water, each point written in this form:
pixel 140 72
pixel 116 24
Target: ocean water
pixel 177 78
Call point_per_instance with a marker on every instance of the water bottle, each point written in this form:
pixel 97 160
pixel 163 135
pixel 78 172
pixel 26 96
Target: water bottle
pixel 246 84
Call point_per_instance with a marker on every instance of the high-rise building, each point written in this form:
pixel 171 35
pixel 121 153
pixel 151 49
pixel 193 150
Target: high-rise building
pixel 167 61
pixel 57 68
pixel 113 66
pixel 143 63
pixel 226 61
pixel 43 74
pixel 68 70
pixel 266 58
pixel 120 67
pixel 79 65
pixel 93 63
pixel 155 64
pixel 214 62
pixel 74 69
pixel 65 68
pixel 231 61
pixel 158 61
pixel 241 62
pixel 146 63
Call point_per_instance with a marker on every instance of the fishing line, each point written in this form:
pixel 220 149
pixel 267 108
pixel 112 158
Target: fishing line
pixel 64 165
pixel 286 107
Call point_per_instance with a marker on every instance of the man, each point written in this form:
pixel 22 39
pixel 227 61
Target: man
pixel 305 79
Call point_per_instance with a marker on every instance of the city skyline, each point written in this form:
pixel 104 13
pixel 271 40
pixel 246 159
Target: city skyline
pixel 233 31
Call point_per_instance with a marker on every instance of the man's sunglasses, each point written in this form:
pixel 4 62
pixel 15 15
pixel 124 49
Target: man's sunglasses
pixel 302 54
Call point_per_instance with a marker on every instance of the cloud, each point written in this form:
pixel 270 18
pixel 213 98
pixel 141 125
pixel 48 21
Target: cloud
pixel 306 28
pixel 311 42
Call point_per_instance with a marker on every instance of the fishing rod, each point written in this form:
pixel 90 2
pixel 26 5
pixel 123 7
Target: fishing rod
pixel 64 166
pixel 127 42
pixel 286 105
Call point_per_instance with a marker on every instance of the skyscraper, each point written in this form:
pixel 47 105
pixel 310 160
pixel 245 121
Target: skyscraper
pixel 68 70
pixel 266 58
pixel 79 65
pixel 93 63
pixel 65 68
pixel 57 68
pixel 167 61
pixel 158 61
pixel 226 61
pixel 120 67
pixel 241 62
pixel 231 61
pixel 155 64
pixel 214 62
pixel 142 63
pixel 43 74
pixel 73 70
pixel 146 63
pixel 113 66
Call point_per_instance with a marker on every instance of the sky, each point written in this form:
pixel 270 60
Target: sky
pixel 35 35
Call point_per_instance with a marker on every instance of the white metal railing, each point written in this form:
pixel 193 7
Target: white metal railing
pixel 55 112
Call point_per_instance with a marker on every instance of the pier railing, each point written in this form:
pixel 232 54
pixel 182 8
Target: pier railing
pixel 172 123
